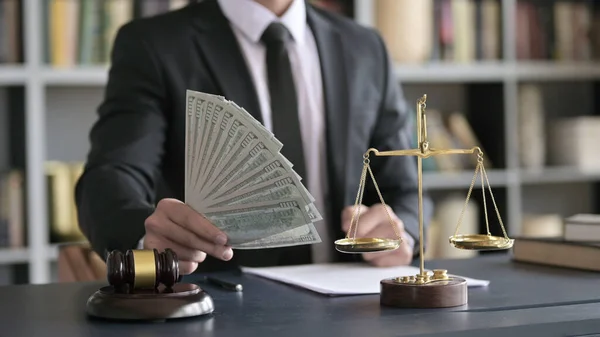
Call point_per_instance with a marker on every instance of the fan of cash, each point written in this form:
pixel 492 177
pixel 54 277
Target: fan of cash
pixel 236 177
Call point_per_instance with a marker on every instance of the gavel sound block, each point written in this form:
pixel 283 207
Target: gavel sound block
pixel 143 285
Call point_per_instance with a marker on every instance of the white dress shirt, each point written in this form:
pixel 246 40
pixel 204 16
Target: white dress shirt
pixel 248 20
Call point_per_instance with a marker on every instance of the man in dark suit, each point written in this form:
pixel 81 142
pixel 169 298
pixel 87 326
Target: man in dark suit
pixel 323 84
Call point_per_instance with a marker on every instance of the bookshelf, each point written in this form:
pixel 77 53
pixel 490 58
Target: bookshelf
pixel 429 73
pixel 54 95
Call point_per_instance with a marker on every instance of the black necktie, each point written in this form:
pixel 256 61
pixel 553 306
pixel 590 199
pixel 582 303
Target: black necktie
pixel 284 114
pixel 284 101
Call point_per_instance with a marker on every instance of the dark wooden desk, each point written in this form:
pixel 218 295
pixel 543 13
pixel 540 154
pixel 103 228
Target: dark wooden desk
pixel 522 300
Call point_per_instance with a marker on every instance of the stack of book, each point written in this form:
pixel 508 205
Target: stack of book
pixel 577 247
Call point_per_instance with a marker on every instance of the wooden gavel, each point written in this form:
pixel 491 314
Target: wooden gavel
pixel 142 269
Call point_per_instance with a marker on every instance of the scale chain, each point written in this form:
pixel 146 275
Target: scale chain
pixel 494 202
pixel 481 167
pixel 462 212
pixel 487 221
pixel 359 197
pixel 387 211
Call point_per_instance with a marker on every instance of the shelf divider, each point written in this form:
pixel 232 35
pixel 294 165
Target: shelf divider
pixel 35 124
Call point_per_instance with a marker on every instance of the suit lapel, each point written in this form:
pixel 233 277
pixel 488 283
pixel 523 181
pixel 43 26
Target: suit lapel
pixel 335 90
pixel 218 45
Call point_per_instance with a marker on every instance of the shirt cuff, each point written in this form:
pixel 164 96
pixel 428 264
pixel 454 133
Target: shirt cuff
pixel 141 243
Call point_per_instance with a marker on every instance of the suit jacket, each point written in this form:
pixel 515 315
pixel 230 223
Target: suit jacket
pixel 137 144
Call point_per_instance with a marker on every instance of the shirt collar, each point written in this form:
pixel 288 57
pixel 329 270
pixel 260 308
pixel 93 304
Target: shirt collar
pixel 252 19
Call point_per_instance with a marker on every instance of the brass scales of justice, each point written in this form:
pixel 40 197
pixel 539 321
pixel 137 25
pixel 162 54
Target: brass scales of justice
pixel 424 290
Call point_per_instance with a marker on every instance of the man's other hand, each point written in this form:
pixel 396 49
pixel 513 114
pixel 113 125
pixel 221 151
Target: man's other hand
pixel 191 236
pixel 374 223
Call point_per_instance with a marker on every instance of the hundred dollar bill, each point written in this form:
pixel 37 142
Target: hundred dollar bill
pixel 255 154
pixel 238 122
pixel 220 123
pixel 234 136
pixel 227 130
pixel 201 107
pixel 215 167
pixel 241 149
pixel 304 235
pixel 240 112
pixel 199 112
pixel 243 114
pixel 266 194
pixel 249 161
pixel 189 140
pixel 278 172
pixel 279 163
pixel 212 117
pixel 255 221
pixel 254 162
pixel 280 188
pixel 204 114
pixel 271 169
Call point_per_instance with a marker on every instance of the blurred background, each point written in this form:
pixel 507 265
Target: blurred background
pixel 520 78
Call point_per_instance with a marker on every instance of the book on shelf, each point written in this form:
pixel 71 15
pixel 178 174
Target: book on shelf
pixel 11 32
pixel 458 31
pixel 12 222
pixel 532 127
pixel 572 142
pixel 61 178
pixel 558 30
pixel 582 228
pixel 63 225
pixel 557 252
pixel 81 32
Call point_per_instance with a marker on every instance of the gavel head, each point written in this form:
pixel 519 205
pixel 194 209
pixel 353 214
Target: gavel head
pixel 142 269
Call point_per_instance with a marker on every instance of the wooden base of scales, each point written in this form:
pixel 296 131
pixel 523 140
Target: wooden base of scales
pixel 424 291
pixel 436 289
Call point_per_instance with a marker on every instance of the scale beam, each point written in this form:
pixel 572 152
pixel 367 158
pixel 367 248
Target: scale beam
pixel 425 154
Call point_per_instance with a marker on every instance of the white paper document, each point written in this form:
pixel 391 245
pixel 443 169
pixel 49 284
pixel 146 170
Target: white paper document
pixel 339 279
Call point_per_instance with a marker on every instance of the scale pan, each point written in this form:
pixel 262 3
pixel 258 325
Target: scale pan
pixel 366 245
pixel 481 242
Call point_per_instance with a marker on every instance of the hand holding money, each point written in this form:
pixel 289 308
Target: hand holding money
pixel 236 177
pixel 176 226
pixel 374 223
